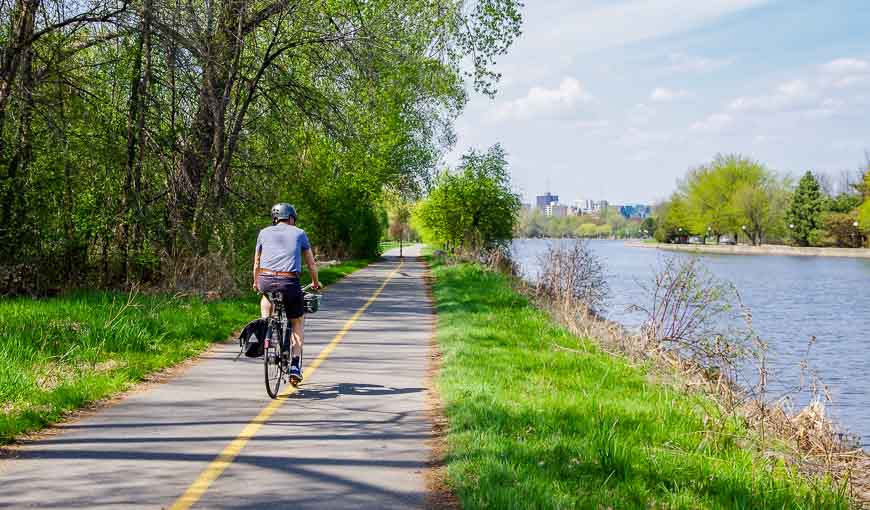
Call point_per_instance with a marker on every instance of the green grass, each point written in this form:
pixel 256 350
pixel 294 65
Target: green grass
pixel 532 426
pixel 59 354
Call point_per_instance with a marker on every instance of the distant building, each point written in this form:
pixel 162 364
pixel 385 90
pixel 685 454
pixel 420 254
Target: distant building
pixel 525 207
pixel 636 211
pixel 542 201
pixel 591 207
pixel 556 211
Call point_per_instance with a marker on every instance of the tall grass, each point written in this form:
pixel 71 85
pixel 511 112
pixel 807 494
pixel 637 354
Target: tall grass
pixel 59 354
pixel 533 425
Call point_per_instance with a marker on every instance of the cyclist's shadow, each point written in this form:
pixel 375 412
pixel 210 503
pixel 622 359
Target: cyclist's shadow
pixel 333 391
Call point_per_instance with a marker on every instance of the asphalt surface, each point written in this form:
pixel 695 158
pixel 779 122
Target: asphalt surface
pixel 354 436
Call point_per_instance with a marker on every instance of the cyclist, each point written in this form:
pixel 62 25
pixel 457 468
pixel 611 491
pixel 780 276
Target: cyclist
pixel 277 267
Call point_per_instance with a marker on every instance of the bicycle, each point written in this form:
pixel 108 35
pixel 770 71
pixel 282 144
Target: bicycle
pixel 276 344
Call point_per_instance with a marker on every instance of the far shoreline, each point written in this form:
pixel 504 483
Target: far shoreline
pixel 764 249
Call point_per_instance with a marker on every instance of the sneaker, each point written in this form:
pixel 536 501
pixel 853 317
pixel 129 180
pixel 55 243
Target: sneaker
pixel 295 375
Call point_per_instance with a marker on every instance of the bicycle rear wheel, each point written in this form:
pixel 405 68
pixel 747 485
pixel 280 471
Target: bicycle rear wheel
pixel 272 363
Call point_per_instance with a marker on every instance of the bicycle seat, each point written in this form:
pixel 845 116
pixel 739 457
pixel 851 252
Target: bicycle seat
pixel 273 296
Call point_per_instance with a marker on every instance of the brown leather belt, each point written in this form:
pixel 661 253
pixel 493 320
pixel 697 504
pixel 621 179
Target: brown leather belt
pixel 278 273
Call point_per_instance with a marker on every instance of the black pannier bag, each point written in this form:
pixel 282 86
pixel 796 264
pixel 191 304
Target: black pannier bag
pixel 251 339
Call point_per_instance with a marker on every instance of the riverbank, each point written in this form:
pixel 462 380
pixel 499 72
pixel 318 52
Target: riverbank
pixel 540 418
pixel 60 354
pixel 764 249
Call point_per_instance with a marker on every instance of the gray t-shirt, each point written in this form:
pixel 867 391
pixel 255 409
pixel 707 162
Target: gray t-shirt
pixel 282 246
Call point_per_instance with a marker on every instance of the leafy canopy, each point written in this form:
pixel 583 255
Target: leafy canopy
pixel 472 208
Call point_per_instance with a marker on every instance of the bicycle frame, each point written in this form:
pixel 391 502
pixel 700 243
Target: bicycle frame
pixel 276 358
pixel 277 322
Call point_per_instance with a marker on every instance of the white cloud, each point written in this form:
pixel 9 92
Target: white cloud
pixel 611 24
pixel 828 107
pixel 593 127
pixel 592 124
pixel 855 146
pixel 845 72
pixel 817 96
pixel 715 123
pixel 666 95
pixel 791 95
pixel 846 66
pixel 640 114
pixel 765 139
pixel 543 101
pixel 641 156
pixel 634 137
pixel 682 63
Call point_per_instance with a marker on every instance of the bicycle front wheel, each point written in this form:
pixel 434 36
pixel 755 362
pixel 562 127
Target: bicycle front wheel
pixel 272 362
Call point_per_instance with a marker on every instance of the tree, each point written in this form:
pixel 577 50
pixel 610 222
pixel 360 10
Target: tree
pixel 804 213
pixel 603 230
pixel 840 230
pixel 587 230
pixel 863 211
pixel 710 193
pixel 648 225
pixel 761 208
pixel 137 135
pixel 673 219
pixel 473 208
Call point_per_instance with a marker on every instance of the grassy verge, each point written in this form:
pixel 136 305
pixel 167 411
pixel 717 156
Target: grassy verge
pixel 59 354
pixel 535 425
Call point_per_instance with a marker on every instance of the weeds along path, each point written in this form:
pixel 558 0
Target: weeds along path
pixel 353 436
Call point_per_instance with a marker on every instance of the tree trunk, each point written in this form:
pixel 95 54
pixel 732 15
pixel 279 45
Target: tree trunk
pixel 204 149
pixel 132 198
pixel 17 57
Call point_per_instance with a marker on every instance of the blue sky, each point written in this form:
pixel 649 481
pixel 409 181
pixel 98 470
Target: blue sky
pixel 617 99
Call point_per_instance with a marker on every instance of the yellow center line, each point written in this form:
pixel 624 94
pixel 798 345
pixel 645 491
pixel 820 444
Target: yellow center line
pixel 232 450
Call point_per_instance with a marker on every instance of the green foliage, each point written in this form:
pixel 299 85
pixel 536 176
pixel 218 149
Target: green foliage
pixel 736 196
pixel 863 212
pixel 723 197
pixel 587 230
pixel 673 220
pixel 535 224
pixel 839 229
pixel 804 214
pixel 864 217
pixel 649 224
pixel 472 208
pixel 844 203
pixel 117 160
pixel 533 425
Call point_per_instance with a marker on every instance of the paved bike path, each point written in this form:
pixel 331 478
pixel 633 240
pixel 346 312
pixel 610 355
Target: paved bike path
pixel 354 436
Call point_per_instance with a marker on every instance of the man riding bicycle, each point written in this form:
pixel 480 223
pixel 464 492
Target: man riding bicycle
pixel 277 268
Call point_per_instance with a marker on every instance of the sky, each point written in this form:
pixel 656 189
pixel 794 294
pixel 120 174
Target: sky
pixel 617 99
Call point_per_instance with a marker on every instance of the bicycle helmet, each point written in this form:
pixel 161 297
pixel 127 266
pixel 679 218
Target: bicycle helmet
pixel 283 211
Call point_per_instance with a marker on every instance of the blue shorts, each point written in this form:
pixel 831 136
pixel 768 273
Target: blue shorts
pixel 290 289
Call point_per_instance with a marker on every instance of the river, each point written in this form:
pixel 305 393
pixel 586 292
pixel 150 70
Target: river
pixel 792 299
